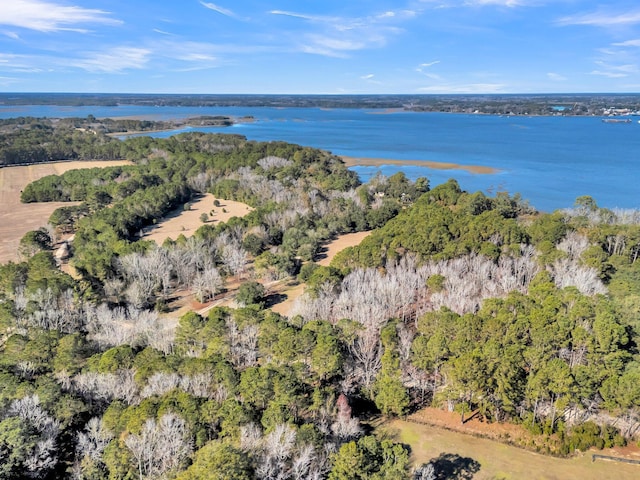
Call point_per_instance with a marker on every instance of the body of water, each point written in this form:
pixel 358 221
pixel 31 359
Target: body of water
pixel 550 161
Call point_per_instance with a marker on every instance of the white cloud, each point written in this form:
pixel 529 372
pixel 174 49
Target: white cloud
pixel 602 18
pixel 335 36
pixel 608 74
pixel 502 3
pixel 162 32
pixel 367 77
pixel 464 88
pixel 22 63
pixel 221 10
pixel 556 77
pixel 420 69
pixel 115 60
pixel 628 43
pixel 13 35
pixel 6 81
pixel 46 16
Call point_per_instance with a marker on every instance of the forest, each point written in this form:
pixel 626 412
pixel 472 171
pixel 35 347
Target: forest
pixel 471 303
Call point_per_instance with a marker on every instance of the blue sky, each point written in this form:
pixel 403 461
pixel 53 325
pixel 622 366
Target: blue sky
pixel 328 47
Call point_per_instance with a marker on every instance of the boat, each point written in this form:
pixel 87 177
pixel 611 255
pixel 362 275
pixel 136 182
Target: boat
pixel 616 120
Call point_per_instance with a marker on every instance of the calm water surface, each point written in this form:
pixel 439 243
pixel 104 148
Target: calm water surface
pixel 549 160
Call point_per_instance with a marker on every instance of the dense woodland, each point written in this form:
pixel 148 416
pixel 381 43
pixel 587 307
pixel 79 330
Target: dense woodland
pixel 456 300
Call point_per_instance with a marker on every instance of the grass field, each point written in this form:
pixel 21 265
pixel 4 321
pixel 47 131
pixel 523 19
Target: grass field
pixel 17 218
pixel 187 222
pixel 482 459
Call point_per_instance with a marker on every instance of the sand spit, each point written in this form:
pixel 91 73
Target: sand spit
pixel 378 162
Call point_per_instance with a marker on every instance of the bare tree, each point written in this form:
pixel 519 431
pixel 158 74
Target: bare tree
pixel 93 441
pixel 42 455
pixel 161 446
pixel 207 284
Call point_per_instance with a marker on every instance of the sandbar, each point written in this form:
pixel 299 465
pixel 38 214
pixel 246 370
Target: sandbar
pixel 377 162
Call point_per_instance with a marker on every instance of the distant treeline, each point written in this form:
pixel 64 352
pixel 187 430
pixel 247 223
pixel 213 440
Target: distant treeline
pixel 573 104
pixel 26 140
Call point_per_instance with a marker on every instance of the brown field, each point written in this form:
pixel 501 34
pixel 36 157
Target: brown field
pixel 499 461
pixel 377 162
pixel 17 218
pixel 187 222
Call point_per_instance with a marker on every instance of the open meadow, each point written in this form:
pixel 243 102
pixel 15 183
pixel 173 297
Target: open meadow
pixel 17 218
pixel 186 222
pixel 458 455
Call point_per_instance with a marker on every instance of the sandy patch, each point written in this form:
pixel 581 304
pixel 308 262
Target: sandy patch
pixel 290 294
pixel 340 243
pixel 187 222
pixel 378 162
pixel 388 111
pixel 17 218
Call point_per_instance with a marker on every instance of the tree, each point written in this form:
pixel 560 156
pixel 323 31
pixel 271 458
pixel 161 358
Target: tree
pixel 35 241
pixel 370 458
pixel 218 461
pixel 161 446
pixel 250 293
pixel 390 395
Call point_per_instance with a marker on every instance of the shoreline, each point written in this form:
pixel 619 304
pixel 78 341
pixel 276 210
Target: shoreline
pixel 378 162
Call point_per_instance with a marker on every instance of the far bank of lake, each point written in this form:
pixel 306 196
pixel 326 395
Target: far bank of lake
pixel 549 160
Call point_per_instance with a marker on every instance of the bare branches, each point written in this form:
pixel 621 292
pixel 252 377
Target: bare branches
pixel 160 446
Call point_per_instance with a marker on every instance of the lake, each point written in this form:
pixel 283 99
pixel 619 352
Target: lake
pixel 549 160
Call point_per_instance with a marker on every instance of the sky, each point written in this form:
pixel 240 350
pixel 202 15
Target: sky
pixel 320 47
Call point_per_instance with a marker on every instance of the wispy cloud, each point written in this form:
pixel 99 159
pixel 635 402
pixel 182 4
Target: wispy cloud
pixel 6 81
pixel 46 16
pixel 22 63
pixel 465 88
pixel 608 74
pixel 162 32
pixel 628 43
pixel 13 35
pixel 115 60
pixel 221 10
pixel 336 36
pixel 556 77
pixel 610 70
pixel 501 3
pixel 423 66
pixel 602 18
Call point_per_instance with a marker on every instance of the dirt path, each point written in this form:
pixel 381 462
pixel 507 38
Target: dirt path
pixel 17 218
pixel 493 460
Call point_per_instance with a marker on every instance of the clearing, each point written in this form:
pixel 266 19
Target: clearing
pixel 292 292
pixel 454 451
pixel 17 218
pixel 186 222
pixel 286 290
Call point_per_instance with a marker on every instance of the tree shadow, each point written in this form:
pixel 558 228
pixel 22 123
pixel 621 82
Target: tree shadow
pixel 274 299
pixel 451 466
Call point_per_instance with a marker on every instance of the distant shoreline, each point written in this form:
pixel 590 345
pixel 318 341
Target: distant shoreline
pixel 377 162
